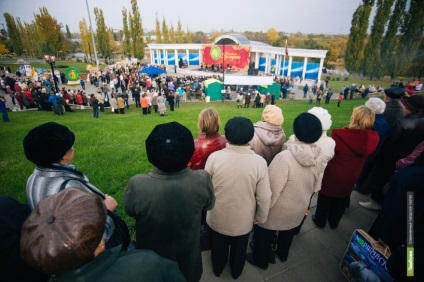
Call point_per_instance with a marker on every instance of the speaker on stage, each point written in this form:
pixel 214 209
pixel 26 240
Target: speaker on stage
pixel 252 72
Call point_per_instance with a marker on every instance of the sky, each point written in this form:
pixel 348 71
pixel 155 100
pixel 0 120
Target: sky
pixel 305 16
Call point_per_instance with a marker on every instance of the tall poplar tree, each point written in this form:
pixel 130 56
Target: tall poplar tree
pixel 14 35
pixel 389 44
pixel 372 57
pixel 127 35
pixel 180 32
pixel 165 32
pixel 26 44
pixel 136 31
pixel 157 31
pixel 172 38
pixel 413 28
pixel 358 33
pixel 187 38
pixel 68 32
pixel 50 36
pixel 85 38
pixel 102 35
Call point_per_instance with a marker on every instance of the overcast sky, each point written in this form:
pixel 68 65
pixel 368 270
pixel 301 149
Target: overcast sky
pixel 305 16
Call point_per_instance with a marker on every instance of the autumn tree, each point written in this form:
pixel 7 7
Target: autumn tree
pixel 103 41
pixel 127 35
pixel 136 31
pixel 180 32
pixel 272 37
pixel 172 38
pixel 14 35
pixel 158 31
pixel 373 48
pixel 358 32
pixel 388 57
pixel 85 38
pixel 49 33
pixel 187 37
pixel 165 32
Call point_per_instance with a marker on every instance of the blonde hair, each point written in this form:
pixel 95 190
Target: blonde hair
pixel 209 121
pixel 363 117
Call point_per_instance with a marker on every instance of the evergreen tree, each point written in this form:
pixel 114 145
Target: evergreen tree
pixel 136 31
pixel 14 35
pixel 358 32
pixel 103 41
pixel 68 33
pixel 372 57
pixel 50 36
pixel 158 32
pixel 127 35
pixel 165 32
pixel 180 33
pixel 389 59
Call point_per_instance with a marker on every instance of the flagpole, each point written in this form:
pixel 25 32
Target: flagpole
pixel 285 53
pixel 92 34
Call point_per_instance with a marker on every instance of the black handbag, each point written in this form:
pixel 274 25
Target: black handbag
pixel 121 234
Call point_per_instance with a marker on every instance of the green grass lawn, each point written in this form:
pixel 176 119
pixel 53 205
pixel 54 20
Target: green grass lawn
pixel 79 65
pixel 111 149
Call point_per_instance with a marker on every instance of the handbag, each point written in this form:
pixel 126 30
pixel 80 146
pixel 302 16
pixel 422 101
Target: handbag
pixel 121 235
pixel 366 258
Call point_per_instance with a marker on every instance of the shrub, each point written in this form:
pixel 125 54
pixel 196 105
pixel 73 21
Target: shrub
pixel 338 78
pixel 328 77
pixel 61 66
pixel 346 78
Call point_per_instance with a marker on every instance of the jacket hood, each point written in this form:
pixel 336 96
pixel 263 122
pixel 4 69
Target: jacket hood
pixel 269 134
pixel 306 155
pixel 361 142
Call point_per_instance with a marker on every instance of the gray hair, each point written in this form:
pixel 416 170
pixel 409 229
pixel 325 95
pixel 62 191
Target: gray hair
pixel 376 104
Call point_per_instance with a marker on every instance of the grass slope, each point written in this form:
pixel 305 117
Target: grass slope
pixel 111 149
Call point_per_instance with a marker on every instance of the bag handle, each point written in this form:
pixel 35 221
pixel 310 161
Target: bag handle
pixel 379 245
pixel 63 185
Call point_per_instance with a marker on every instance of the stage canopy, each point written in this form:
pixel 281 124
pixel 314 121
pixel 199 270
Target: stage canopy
pixel 248 80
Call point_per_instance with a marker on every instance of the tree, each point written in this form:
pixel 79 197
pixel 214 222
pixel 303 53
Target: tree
pixel 187 36
pixel 14 35
pixel 272 36
pixel 413 28
pixel 417 65
pixel 85 38
pixel 136 31
pixel 389 59
pixel 3 49
pixel 49 33
pixel 180 32
pixel 127 35
pixel 157 31
pixel 333 52
pixel 372 57
pixel 103 41
pixel 172 38
pixel 165 32
pixel 358 32
pixel 68 32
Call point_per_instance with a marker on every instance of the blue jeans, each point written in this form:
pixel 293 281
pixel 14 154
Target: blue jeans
pixel 96 112
pixel 126 102
pixel 5 116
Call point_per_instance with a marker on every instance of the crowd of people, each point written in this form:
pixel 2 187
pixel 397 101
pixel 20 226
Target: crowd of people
pixel 251 179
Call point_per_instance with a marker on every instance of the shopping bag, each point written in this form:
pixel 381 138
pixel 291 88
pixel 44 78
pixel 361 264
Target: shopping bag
pixel 366 257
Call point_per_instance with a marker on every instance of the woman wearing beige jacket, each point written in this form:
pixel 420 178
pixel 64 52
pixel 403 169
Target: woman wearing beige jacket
pixel 293 175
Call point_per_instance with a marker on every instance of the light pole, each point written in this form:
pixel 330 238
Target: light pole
pixel 51 60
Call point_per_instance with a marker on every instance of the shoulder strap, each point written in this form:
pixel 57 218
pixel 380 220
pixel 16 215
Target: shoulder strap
pixel 63 185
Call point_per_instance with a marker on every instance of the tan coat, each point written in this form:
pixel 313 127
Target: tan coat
pixel 241 185
pixel 294 175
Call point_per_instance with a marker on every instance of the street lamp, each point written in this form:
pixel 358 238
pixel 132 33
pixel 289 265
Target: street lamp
pixel 51 60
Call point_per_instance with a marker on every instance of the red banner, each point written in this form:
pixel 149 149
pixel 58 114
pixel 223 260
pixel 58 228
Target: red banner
pixel 237 56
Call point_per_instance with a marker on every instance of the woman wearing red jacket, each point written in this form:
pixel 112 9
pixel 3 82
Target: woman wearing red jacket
pixel 354 144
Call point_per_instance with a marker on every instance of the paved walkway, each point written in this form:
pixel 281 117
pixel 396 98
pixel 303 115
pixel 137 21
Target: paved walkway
pixel 315 254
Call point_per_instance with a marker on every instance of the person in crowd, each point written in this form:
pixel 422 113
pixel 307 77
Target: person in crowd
pixel 168 217
pixel 3 109
pixel 177 99
pixel 380 124
pixel 209 139
pixel 106 98
pixel 144 102
pixel 257 100
pixel 409 160
pixel 269 136
pixel 294 176
pixel 305 90
pixel 50 147
pixel 393 111
pixel 80 255
pixel 391 224
pixel 161 105
pixel 354 143
pixel 100 101
pixel 155 101
pixel 339 100
pixel 121 103
pixel 243 196
pixel 247 100
pixel 171 101
pixel 239 100
pixel 114 104
pixel 57 106
pixel 95 105
pixel 13 215
pixel 328 95
pixel 401 140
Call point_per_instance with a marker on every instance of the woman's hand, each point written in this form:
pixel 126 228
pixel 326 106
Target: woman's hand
pixel 110 203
